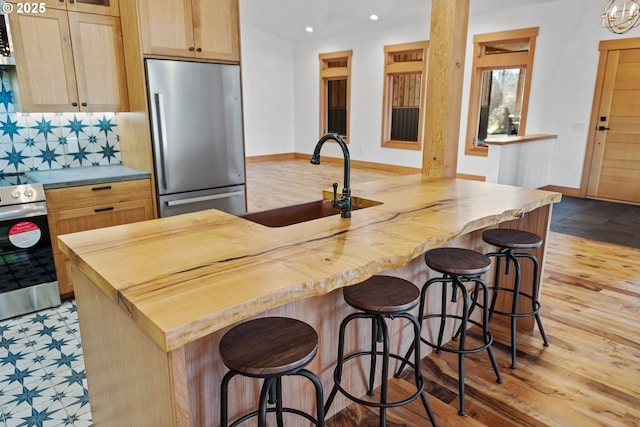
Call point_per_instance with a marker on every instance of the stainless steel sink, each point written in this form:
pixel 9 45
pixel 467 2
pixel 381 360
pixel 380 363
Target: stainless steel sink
pixel 295 214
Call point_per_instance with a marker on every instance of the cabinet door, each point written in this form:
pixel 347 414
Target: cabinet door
pixel 216 28
pixel 100 7
pixel 166 27
pixel 74 220
pixel 99 62
pixel 44 62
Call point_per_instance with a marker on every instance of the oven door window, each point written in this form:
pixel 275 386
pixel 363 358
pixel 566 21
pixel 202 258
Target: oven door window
pixel 26 257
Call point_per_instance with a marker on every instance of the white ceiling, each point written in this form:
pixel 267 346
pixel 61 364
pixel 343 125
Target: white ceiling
pixel 330 18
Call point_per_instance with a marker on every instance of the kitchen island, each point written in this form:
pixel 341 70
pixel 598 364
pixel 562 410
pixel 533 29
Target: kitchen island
pixel 155 297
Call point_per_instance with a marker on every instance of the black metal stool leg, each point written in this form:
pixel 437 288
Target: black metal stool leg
pixel 224 398
pixel 419 379
pixel 375 337
pixel 514 308
pixel 264 400
pixel 463 337
pixel 535 303
pixel 319 395
pixel 384 387
pixel 337 373
pixel 416 343
pixel 278 402
pixel 496 280
pixel 488 339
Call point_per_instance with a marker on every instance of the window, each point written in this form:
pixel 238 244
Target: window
pixel 335 87
pixel 501 77
pixel 405 70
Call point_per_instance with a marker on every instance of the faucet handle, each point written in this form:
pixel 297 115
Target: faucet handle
pixel 335 193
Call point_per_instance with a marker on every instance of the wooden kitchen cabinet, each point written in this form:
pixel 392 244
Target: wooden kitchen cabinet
pixel 69 61
pixel 89 207
pixel 100 7
pixel 202 29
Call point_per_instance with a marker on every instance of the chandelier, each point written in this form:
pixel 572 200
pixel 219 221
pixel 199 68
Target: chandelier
pixel 621 15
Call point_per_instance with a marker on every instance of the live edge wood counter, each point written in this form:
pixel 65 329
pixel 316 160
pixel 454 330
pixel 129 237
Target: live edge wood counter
pixel 155 297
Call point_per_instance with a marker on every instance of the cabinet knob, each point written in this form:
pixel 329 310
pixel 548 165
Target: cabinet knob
pixel 61 1
pixel 74 104
pixel 191 49
pixel 84 104
pixel 199 49
pixel 72 1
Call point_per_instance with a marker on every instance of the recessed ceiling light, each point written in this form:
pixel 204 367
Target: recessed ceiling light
pixel 309 29
pixel 373 17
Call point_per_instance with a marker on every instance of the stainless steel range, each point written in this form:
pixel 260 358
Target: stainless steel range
pixel 27 272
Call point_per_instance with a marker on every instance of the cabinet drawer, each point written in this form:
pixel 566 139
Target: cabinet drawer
pixel 98 195
pixel 92 217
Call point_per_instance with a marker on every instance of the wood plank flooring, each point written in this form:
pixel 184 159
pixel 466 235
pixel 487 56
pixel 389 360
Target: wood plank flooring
pixel 588 376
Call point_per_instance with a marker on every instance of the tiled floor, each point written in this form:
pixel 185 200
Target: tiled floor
pixel 42 376
pixel 598 220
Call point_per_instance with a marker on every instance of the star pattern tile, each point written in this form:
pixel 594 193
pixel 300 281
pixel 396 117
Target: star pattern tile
pixel 44 141
pixel 42 378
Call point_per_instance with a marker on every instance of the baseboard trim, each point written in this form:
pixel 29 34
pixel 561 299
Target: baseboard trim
pixel 269 157
pixel 471 177
pixel 370 165
pixel 334 160
pixel 566 191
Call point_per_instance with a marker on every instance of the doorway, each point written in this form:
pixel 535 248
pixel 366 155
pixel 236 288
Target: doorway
pixel 612 163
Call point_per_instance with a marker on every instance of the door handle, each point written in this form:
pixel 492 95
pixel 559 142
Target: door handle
pixel 162 134
pixel 603 128
pixel 204 198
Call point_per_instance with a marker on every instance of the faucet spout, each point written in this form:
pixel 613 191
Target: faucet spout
pixel 344 203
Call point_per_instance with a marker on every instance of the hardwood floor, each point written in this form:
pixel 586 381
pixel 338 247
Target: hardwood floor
pixel 296 181
pixel 588 376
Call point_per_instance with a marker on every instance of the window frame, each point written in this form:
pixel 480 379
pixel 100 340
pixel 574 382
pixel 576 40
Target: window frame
pixel 334 73
pixel 392 69
pixel 483 62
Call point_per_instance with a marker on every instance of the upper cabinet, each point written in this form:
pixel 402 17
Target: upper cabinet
pixel 69 61
pixel 100 7
pixel 202 29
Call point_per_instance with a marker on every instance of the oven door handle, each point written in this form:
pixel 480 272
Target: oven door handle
pixel 34 209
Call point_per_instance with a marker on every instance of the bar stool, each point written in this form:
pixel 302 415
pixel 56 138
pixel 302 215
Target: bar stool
pixel 508 241
pixel 270 348
pixel 458 267
pixel 379 298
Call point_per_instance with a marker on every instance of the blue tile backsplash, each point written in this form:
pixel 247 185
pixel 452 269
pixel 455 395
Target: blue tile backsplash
pixel 44 141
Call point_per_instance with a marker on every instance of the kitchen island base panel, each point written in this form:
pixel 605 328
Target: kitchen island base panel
pixel 132 382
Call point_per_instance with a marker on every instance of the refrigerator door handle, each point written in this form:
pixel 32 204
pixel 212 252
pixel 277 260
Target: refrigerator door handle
pixel 204 198
pixel 162 134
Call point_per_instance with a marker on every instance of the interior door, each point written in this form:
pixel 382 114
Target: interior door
pixel 615 161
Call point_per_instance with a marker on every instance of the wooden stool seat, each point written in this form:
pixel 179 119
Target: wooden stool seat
pixel 382 294
pixel 513 239
pixel 269 346
pixel 457 261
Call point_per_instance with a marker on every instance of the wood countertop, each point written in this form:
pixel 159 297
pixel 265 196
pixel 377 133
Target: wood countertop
pixel 181 278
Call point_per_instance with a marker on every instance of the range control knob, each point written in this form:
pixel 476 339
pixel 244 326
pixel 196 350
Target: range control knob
pixel 28 192
pixel 15 194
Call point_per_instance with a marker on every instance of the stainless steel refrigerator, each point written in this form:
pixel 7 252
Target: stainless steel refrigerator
pixel 196 126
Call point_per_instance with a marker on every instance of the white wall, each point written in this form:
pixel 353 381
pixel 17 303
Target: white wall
pixel 367 75
pixel 267 92
pixel 564 73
